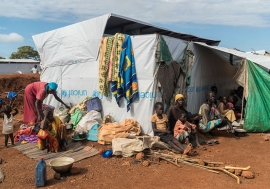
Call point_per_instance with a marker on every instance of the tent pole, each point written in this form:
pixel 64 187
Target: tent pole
pixel 243 97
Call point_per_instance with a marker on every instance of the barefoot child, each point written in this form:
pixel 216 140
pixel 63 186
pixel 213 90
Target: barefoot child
pixel 183 130
pixel 161 129
pixel 8 123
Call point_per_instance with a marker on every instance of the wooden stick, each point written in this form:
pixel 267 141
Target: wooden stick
pixel 186 159
pixel 197 165
pixel 230 174
pixel 238 168
pixel 211 169
pixel 216 163
pixel 227 172
pixel 170 161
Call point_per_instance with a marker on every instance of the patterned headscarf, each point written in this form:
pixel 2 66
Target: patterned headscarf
pixel 178 96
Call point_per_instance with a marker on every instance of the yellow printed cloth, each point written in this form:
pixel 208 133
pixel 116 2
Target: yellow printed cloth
pixel 55 131
pixel 104 58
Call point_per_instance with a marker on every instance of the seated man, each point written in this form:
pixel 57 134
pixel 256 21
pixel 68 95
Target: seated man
pixel 52 132
pixel 211 117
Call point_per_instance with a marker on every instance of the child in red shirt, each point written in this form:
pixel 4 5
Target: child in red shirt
pixel 183 130
pixel 161 128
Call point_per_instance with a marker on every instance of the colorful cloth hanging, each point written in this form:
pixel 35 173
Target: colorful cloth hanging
pixel 126 84
pixel 115 57
pixel 104 58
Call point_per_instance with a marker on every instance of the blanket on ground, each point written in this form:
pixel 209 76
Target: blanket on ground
pixel 110 131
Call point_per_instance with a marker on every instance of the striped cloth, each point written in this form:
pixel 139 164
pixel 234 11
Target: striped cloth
pixel 126 85
pixel 104 58
pixel 115 57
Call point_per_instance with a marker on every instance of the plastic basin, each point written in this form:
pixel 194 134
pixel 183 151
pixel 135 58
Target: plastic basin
pixel 62 165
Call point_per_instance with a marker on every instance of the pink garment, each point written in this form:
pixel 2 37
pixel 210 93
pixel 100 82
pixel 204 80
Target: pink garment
pixel 32 92
pixel 230 105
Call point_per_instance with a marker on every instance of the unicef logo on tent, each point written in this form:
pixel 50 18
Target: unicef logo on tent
pixel 64 93
pixel 73 93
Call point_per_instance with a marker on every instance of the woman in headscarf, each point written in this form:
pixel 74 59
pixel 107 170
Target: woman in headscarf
pixel 34 94
pixel 52 133
pixel 176 111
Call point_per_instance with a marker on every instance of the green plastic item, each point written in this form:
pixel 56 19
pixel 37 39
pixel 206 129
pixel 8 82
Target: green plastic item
pixel 164 52
pixel 76 117
pixel 258 104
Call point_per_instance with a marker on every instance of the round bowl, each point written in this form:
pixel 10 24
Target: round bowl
pixel 77 139
pixel 83 135
pixel 62 164
pixel 240 130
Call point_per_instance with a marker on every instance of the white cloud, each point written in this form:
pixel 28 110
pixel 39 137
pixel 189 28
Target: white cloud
pixel 2 28
pixel 254 13
pixel 11 38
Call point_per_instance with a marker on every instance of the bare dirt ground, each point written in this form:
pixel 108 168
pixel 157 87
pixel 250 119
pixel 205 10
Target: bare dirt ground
pixel 97 172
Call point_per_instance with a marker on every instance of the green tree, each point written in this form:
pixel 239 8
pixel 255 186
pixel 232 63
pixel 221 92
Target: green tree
pixel 2 57
pixel 25 52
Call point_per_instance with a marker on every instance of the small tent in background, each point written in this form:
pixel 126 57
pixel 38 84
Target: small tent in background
pixel 70 58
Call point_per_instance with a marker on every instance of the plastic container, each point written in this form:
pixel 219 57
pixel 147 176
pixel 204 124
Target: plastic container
pixel 107 153
pixel 41 173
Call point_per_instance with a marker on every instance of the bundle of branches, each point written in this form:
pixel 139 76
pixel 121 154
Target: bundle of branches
pixel 201 164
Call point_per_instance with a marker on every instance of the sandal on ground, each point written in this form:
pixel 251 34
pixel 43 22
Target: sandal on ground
pixel 210 143
pixel 202 148
pixel 192 153
pixel 215 141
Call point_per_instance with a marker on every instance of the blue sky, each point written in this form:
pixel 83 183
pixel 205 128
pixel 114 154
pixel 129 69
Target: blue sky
pixel 238 24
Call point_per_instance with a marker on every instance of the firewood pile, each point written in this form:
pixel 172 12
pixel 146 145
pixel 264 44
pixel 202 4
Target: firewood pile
pixel 214 167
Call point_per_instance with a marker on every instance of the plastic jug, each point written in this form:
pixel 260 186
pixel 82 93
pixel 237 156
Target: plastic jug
pixel 41 173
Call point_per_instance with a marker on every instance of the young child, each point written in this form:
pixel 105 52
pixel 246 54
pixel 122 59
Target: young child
pixel 231 106
pixel 8 123
pixel 161 128
pixel 183 130
pixel 230 102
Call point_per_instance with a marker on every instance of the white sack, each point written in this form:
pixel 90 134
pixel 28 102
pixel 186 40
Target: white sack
pixel 128 147
pixel 88 121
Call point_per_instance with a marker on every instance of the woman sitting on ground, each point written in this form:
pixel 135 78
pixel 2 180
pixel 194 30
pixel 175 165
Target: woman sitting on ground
pixel 226 111
pixel 160 128
pixel 177 109
pixel 52 132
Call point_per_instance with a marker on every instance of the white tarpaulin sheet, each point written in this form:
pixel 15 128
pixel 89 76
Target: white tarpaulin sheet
pixel 209 70
pixel 261 60
pixel 76 43
pixel 176 46
pixel 79 80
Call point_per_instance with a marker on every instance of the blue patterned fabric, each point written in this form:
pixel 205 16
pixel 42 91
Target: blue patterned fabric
pixel 126 85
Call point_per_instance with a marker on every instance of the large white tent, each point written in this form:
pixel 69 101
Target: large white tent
pixel 70 58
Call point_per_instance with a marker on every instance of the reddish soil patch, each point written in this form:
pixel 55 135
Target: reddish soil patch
pixel 98 172
pixel 16 83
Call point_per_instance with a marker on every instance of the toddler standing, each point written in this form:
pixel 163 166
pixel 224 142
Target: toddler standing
pixel 8 123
